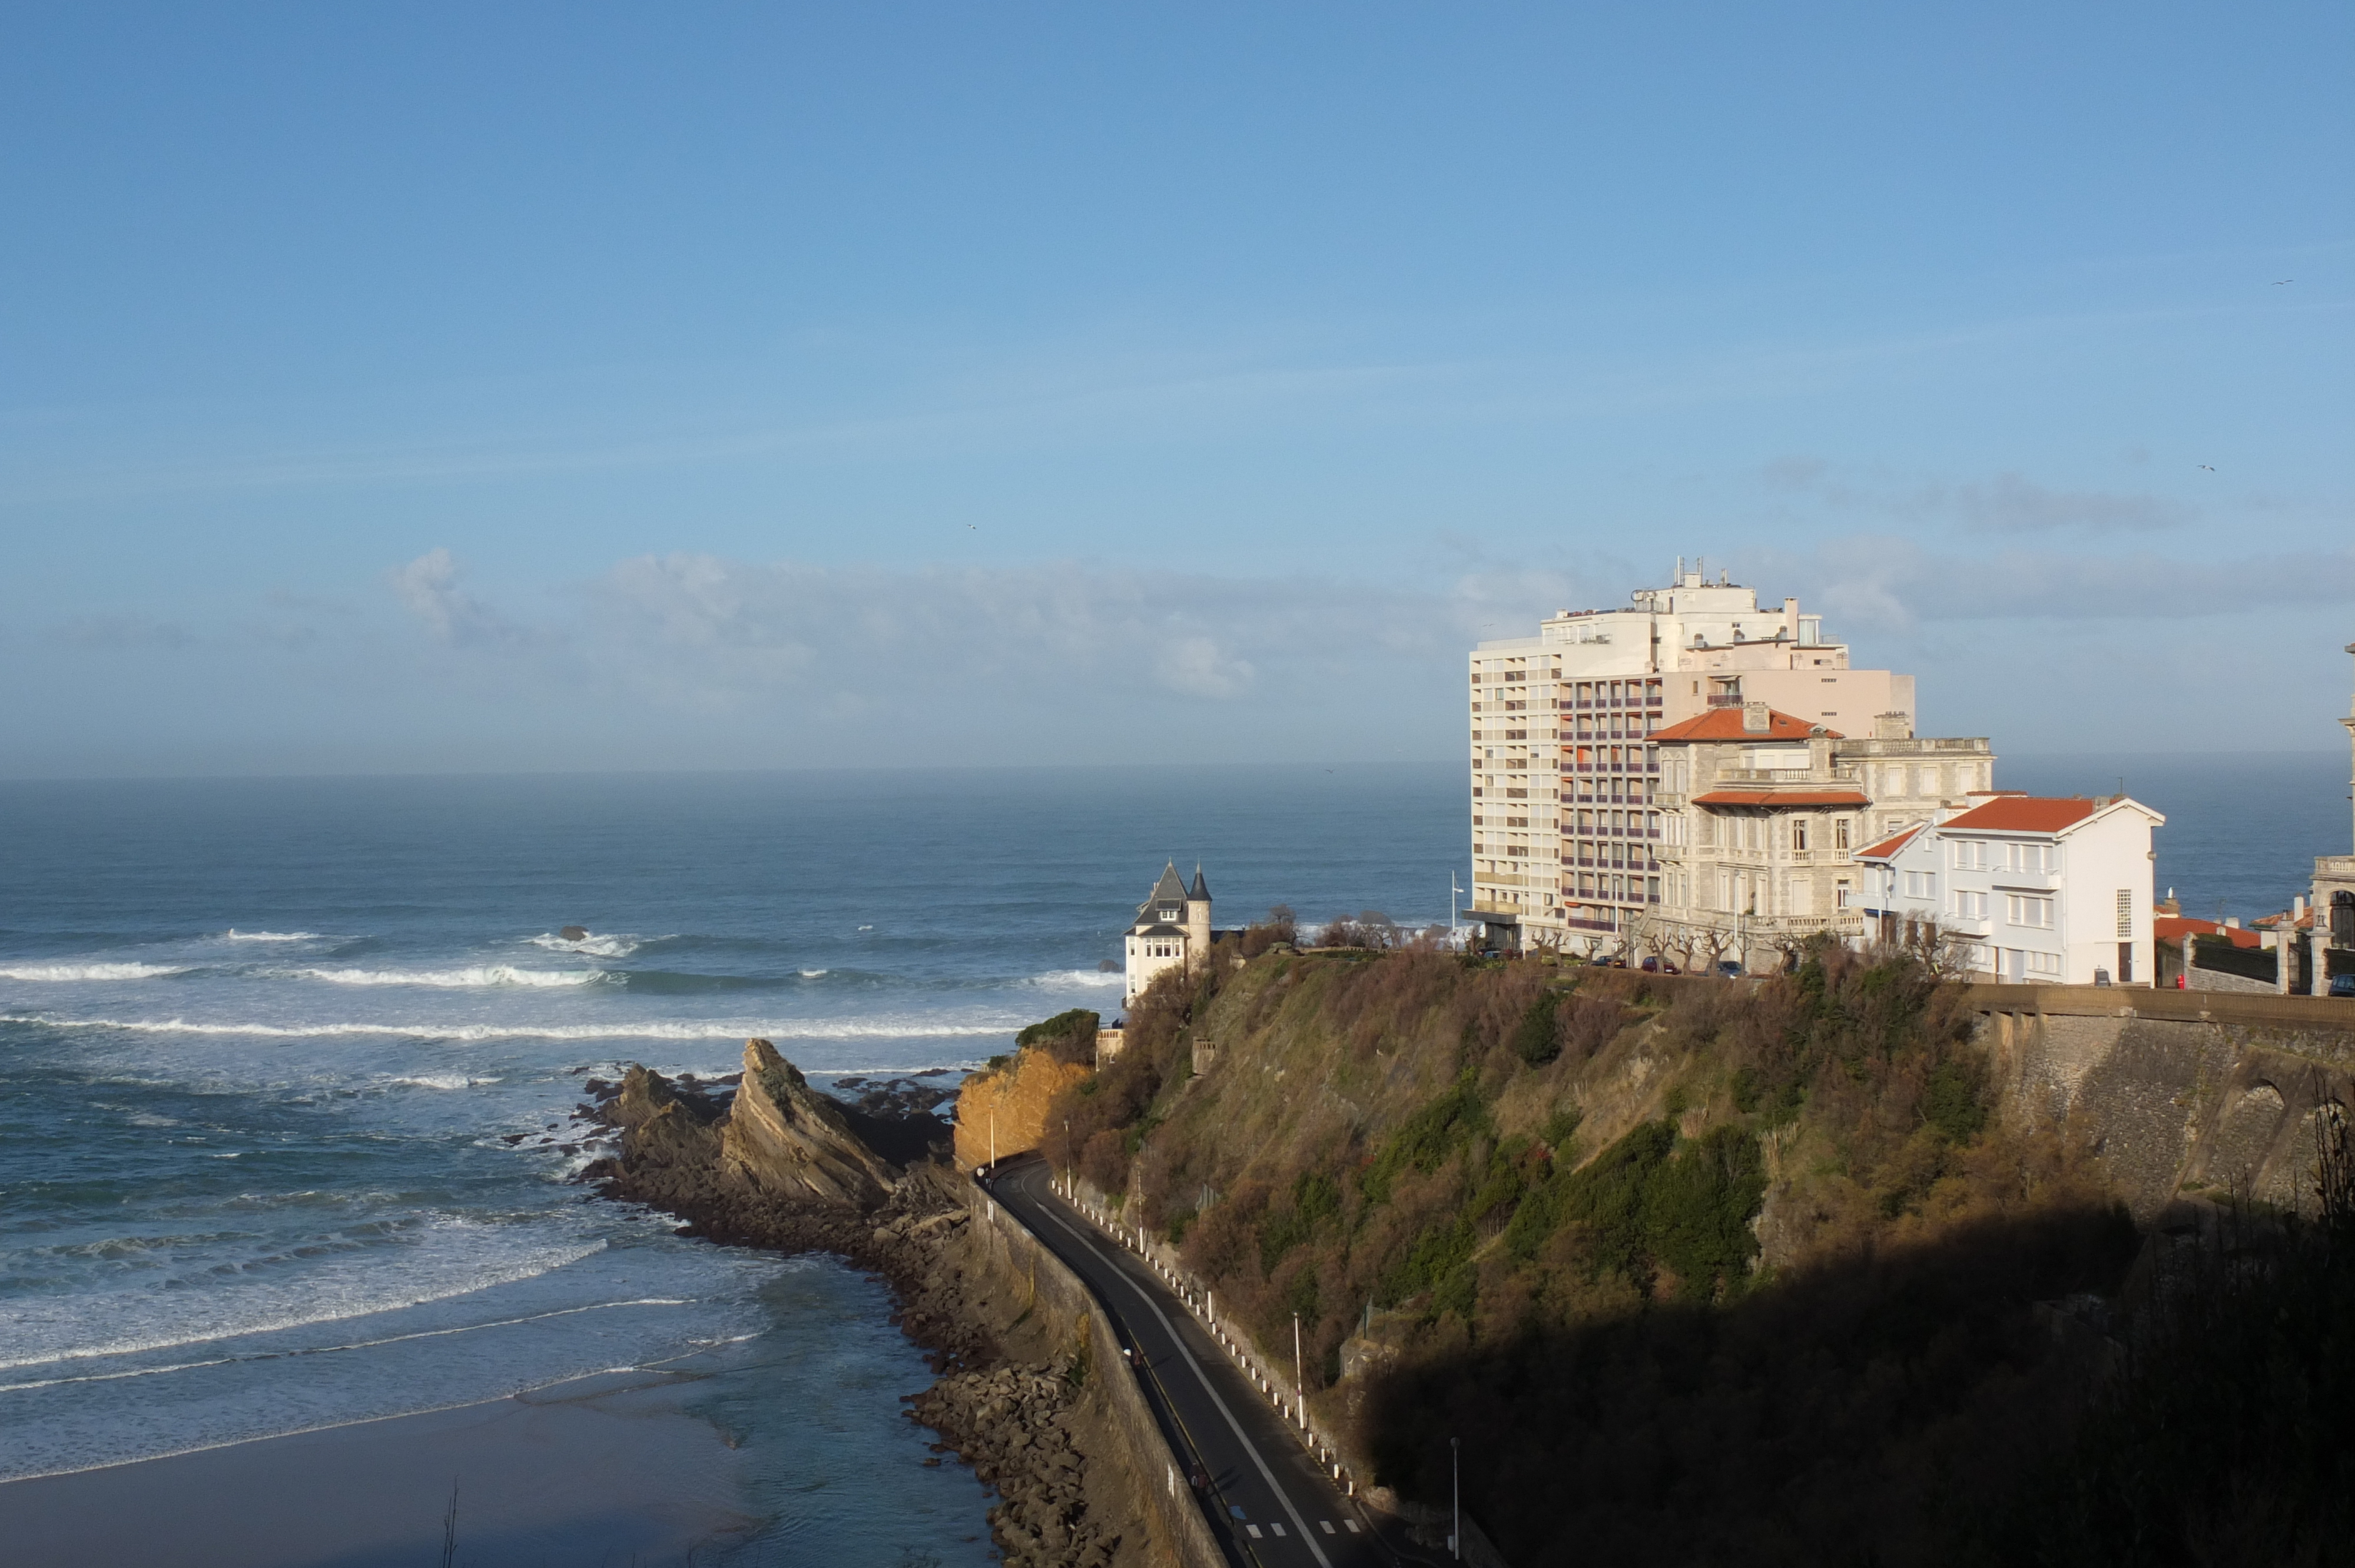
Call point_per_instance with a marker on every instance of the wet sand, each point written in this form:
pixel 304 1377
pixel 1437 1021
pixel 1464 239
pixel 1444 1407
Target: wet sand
pixel 599 1471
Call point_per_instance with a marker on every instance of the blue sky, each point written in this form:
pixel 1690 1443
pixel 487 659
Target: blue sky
pixel 515 388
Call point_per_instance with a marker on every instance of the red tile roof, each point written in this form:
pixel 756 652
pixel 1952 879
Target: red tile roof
pixel 2173 929
pixel 1725 723
pixel 1888 847
pixel 1781 798
pixel 2023 815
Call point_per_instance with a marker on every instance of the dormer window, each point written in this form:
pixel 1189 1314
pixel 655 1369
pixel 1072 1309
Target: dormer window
pixel 1168 914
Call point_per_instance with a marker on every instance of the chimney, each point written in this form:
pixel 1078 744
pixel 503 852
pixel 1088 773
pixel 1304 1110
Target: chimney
pixel 1755 719
pixel 1896 726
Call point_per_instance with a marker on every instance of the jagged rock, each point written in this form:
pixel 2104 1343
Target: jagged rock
pixel 660 1126
pixel 783 1138
pixel 574 934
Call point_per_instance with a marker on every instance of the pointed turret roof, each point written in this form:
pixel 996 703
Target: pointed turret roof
pixel 1171 888
pixel 1201 888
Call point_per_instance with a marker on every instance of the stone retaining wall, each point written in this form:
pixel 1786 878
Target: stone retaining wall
pixel 1180 1535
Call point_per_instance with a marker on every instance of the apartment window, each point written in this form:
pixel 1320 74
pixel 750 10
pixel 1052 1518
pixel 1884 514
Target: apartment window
pixel 1799 834
pixel 2046 966
pixel 1970 905
pixel 2125 913
pixel 1840 834
pixel 1842 893
pixel 1970 856
pixel 2027 909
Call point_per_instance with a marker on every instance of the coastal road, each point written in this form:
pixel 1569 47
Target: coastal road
pixel 1268 1501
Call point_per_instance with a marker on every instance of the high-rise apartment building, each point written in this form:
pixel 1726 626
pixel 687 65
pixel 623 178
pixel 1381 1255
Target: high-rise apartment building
pixel 1566 825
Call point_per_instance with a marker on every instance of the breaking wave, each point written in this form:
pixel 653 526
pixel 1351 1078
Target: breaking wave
pixel 90 971
pixel 614 945
pixel 234 935
pixel 368 1281
pixel 456 980
pixel 712 1029
pixel 1076 980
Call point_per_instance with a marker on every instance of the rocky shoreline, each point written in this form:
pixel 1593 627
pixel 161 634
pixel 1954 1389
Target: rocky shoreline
pixel 770 1162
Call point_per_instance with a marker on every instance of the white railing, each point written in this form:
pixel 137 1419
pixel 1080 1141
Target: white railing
pixel 1292 1406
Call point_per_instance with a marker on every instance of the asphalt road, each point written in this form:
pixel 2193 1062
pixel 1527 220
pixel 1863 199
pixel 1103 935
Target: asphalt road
pixel 1267 1500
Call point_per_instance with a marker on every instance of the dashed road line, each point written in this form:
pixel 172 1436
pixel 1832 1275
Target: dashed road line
pixel 1267 1473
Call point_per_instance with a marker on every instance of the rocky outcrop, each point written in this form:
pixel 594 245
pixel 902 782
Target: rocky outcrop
pixel 1014 1425
pixel 785 1140
pixel 1006 1107
pixel 787 1168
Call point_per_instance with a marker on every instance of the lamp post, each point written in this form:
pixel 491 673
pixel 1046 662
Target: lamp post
pixel 1455 1483
pixel 1299 1381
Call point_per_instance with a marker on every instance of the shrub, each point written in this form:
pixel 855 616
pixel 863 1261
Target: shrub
pixel 1068 1037
pixel 1536 1039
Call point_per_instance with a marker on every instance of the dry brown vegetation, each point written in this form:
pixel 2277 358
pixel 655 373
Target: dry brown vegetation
pixel 1696 1269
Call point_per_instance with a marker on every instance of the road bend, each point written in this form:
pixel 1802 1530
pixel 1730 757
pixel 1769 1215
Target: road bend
pixel 1269 1502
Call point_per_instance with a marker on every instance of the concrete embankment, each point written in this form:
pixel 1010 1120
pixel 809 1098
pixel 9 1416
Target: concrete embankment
pixel 2182 1094
pixel 1128 1439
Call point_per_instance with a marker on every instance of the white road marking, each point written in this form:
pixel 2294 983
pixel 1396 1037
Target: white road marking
pixel 1327 1524
pixel 1279 1530
pixel 1195 1367
pixel 1353 1526
pixel 1254 1530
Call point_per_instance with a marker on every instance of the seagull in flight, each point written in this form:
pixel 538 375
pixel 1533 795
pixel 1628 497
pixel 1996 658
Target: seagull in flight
pixel 2208 466
pixel 2279 282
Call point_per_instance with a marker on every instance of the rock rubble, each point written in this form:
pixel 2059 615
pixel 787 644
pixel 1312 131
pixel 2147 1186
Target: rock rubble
pixel 1013 1424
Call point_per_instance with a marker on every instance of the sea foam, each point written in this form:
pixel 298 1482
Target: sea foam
pixel 605 945
pixel 234 935
pixel 90 971
pixel 467 979
pixel 714 1028
pixel 1075 979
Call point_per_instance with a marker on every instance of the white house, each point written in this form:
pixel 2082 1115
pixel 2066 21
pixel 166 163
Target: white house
pixel 2032 890
pixel 1172 928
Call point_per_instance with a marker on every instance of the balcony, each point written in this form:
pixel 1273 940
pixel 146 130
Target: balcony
pixel 1766 776
pixel 1726 700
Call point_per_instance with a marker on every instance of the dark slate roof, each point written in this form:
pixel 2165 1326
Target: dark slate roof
pixel 1171 888
pixel 1201 888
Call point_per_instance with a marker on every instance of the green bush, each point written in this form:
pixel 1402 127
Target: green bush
pixel 1537 1040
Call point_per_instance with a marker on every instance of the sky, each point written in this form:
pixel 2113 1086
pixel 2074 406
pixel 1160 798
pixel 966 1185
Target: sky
pixel 437 388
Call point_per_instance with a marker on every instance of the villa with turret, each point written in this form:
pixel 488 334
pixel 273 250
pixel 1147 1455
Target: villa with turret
pixel 1172 928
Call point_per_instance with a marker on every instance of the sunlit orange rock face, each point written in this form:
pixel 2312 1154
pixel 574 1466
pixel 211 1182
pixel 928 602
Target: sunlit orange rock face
pixel 1014 1098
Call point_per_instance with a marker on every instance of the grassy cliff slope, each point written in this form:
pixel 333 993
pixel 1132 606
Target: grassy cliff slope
pixel 1696 1270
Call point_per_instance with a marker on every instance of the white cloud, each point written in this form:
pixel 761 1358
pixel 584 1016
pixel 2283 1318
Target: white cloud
pixel 428 586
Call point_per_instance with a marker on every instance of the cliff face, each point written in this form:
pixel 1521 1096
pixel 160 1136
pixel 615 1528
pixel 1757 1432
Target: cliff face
pixel 1012 1102
pixel 785 1138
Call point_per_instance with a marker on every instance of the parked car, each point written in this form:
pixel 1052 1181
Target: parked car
pixel 1606 961
pixel 2342 985
pixel 1728 970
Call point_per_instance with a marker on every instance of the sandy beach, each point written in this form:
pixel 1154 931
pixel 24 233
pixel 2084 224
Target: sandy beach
pixel 601 1470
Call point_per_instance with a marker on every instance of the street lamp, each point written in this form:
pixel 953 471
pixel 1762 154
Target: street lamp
pixel 1456 1481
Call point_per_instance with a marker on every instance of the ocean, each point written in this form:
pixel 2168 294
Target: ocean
pixel 287 1069
pixel 287 1066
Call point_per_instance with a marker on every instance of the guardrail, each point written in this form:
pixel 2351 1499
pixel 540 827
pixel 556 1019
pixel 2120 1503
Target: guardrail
pixel 1200 1301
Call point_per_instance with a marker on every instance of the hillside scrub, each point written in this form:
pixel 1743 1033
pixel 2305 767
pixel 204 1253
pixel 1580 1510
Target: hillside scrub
pixel 1771 1225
